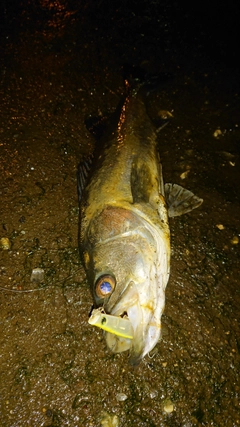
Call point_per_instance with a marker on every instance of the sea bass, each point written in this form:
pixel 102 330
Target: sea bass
pixel 124 231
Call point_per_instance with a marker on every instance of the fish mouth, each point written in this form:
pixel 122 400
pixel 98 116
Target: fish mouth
pixel 145 323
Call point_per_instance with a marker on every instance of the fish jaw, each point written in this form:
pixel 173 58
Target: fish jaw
pixel 142 303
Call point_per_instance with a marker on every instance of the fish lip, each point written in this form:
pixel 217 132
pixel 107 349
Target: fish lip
pixel 144 310
pixel 129 306
pixel 136 346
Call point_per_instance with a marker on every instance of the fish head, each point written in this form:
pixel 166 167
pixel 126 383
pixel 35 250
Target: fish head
pixel 129 270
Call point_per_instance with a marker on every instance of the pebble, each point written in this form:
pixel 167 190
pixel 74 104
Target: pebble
pixel 153 394
pixel 5 243
pixel 165 114
pixel 235 240
pixel 37 275
pixel 109 420
pixel 217 133
pixel 184 174
pixel 121 397
pixel 168 406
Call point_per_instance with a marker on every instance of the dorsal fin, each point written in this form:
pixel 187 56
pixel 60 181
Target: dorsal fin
pixel 179 200
pixel 84 168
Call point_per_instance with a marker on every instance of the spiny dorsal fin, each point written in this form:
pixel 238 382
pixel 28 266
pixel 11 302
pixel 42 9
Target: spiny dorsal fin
pixel 82 174
pixel 179 200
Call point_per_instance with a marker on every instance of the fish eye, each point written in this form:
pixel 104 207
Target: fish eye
pixel 105 286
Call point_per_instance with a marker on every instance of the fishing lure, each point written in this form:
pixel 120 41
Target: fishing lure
pixel 119 326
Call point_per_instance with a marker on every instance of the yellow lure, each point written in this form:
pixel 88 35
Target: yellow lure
pixel 113 324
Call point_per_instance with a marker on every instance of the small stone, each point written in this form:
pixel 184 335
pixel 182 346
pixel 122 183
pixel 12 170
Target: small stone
pixel 220 226
pixel 5 243
pixel 184 174
pixel 37 275
pixel 49 413
pixel 153 394
pixel 121 397
pixel 109 420
pixel 168 406
pixel 165 114
pixel 235 240
pixel 217 133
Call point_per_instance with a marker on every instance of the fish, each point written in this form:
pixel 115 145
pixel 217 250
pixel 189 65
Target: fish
pixel 124 235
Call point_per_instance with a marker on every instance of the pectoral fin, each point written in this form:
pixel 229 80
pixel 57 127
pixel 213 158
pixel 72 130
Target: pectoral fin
pixel 179 200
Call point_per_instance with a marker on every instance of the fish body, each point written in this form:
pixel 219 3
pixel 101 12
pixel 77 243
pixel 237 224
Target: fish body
pixel 124 230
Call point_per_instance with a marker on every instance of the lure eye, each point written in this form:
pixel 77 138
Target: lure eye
pixel 105 286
